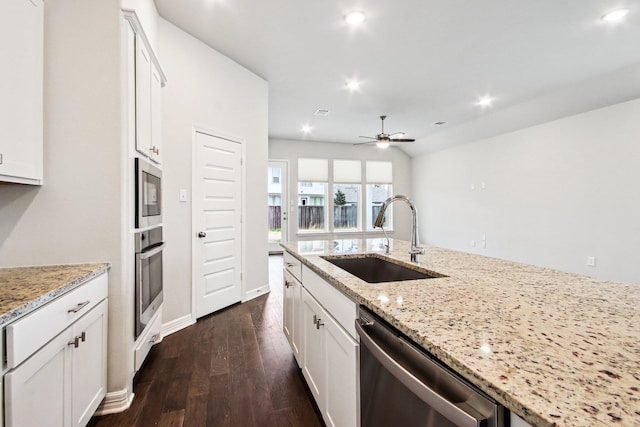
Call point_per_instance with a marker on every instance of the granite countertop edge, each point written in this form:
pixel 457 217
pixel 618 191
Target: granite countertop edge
pixel 40 300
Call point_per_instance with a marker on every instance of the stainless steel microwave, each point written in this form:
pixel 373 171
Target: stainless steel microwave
pixel 148 194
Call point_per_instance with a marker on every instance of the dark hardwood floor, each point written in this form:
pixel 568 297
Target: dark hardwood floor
pixel 232 368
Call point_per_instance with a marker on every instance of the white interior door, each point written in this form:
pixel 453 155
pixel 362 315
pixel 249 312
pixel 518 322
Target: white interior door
pixel 278 172
pixel 217 221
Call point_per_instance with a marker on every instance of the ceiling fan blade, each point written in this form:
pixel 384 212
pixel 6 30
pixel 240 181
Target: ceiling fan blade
pixel 369 137
pixel 366 142
pixel 402 140
pixel 393 135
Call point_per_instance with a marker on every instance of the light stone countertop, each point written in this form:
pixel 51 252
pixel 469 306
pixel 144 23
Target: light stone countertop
pixel 557 349
pixel 25 289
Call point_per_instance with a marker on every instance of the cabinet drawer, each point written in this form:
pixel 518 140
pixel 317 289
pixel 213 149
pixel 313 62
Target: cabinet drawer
pixel 27 335
pixel 294 265
pixel 337 304
pixel 150 336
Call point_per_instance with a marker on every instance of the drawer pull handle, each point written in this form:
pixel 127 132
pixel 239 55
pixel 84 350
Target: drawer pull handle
pixel 78 307
pixel 319 323
pixel 75 342
pixel 287 283
pixel 83 337
pixel 290 264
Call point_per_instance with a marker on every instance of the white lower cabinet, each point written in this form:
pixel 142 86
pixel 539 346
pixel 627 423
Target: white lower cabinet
pixel 341 363
pixel 313 343
pixel 318 321
pixel 516 421
pixel 292 294
pixel 330 365
pixel 63 382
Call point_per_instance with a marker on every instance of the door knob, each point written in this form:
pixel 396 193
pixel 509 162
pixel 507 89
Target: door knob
pixel 202 234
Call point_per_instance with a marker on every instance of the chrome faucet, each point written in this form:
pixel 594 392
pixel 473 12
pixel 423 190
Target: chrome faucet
pixel 416 249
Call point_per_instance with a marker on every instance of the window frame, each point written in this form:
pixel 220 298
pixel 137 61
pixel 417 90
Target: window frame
pixel 362 226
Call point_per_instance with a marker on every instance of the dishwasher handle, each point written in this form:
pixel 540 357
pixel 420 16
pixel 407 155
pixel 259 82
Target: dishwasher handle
pixel 420 389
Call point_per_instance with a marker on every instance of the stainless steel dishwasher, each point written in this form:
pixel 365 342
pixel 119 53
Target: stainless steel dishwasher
pixel 401 385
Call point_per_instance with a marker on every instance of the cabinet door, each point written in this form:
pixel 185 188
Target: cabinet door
pixel 341 359
pixel 287 306
pixel 89 373
pixel 21 82
pixel 37 392
pixel 313 367
pixel 156 116
pixel 143 98
pixel 298 333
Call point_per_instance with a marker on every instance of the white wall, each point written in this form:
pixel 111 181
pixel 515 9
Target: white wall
pixel 76 216
pixel 554 194
pixel 280 149
pixel 207 89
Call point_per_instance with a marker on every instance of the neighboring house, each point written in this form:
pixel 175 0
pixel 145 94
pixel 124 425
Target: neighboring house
pixel 311 194
pixel 274 186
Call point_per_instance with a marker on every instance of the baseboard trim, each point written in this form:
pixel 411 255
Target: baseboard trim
pixel 115 401
pixel 177 324
pixel 254 293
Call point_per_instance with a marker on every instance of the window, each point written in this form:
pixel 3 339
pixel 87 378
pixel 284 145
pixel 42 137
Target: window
pixel 347 178
pixel 336 203
pixel 376 194
pixel 311 211
pixel 275 175
pixel 379 188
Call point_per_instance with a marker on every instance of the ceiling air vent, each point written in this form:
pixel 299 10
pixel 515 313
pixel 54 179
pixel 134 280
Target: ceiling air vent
pixel 321 112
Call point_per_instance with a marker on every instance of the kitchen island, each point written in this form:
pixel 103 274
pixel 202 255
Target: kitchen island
pixel 557 349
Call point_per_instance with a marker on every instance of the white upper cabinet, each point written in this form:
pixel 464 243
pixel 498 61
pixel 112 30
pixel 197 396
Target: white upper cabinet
pixel 21 82
pixel 148 81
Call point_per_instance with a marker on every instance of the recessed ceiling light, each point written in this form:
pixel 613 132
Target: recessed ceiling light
pixel 485 101
pixel 353 85
pixel 306 129
pixel 615 15
pixel 355 18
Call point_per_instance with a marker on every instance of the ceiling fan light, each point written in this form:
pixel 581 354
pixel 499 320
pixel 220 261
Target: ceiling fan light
pixel 615 15
pixel 485 101
pixel 382 144
pixel 353 85
pixel 354 18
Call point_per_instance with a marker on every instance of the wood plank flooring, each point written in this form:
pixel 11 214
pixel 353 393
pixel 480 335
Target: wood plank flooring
pixel 232 368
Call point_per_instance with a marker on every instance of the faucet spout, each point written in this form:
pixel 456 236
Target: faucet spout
pixel 416 249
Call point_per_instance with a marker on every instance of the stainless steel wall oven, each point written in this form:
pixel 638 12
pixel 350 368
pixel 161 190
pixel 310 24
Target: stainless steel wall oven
pixel 148 194
pixel 402 385
pixel 148 268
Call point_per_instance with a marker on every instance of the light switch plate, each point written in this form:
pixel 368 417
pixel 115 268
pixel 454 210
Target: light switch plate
pixel 183 195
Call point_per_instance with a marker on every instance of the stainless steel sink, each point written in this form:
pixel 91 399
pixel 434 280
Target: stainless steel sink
pixel 376 270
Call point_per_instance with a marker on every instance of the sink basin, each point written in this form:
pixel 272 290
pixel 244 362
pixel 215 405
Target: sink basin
pixel 377 270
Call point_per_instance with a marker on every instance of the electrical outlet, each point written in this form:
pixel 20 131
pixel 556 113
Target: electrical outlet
pixel 591 261
pixel 473 243
pixel 183 195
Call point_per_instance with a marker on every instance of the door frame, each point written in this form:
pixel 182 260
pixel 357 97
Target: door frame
pixel 286 188
pixel 243 235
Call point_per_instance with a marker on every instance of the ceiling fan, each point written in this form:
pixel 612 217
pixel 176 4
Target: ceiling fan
pixel 383 140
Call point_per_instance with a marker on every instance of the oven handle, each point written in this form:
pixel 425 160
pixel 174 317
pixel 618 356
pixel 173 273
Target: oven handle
pixel 420 389
pixel 154 251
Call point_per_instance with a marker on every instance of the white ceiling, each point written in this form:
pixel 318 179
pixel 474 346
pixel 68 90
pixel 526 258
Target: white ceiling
pixel 419 61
